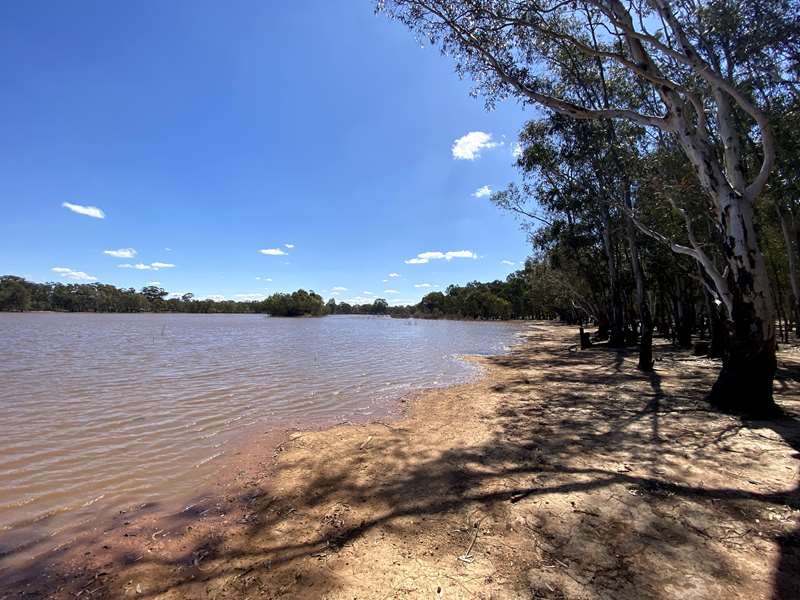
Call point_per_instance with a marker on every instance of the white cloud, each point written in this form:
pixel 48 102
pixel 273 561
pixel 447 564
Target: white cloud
pixel 422 285
pixel 425 257
pixel 272 252
pixel 482 192
pixel 368 293
pixel 264 278
pixel 89 211
pixel 402 301
pixel 390 292
pixel 394 274
pixel 469 147
pixel 68 273
pixel 215 297
pixel 507 262
pixel 384 281
pixel 168 249
pixel 336 293
pixel 431 255
pixel 517 151
pixel 339 288
pixel 360 299
pixel 460 254
pixel 154 266
pixel 153 283
pixel 249 297
pixel 289 246
pixel 121 253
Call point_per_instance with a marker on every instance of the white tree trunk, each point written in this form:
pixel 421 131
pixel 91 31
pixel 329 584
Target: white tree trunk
pixel 749 364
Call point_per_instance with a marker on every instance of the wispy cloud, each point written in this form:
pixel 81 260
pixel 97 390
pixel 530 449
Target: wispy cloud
pixel 338 288
pixel 121 253
pixel 507 262
pixel 89 211
pixel 368 293
pixel 425 257
pixel 153 283
pixel 68 273
pixel 264 278
pixel 394 274
pixel 272 252
pixel 250 297
pixel 482 192
pixel 390 292
pixel 469 146
pixel 422 285
pixel 402 301
pixel 154 266
pixel 360 299
pixel 517 151
pixel 289 246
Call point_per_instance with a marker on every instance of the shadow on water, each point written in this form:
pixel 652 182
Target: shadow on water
pixel 599 431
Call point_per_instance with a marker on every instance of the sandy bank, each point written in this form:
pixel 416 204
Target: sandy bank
pixel 559 474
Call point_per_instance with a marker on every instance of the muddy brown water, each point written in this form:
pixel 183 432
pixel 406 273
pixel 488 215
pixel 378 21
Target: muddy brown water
pixel 101 412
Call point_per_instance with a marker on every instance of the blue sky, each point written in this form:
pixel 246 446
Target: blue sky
pixel 208 131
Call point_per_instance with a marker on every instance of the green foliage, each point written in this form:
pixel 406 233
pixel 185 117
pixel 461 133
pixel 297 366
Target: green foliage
pixel 533 292
pixel 296 304
pixel 330 306
pixel 18 294
pixel 379 307
pixel 154 293
pixel 14 295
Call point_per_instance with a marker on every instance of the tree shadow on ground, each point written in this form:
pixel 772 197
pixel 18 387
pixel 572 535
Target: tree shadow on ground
pixel 572 474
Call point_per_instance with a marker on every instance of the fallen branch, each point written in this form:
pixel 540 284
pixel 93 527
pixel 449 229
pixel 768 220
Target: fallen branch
pixel 467 556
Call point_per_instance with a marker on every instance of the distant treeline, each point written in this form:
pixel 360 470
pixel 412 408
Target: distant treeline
pixel 524 294
pixel 18 294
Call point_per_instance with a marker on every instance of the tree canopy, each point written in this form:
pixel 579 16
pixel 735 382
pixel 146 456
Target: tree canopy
pixel 643 100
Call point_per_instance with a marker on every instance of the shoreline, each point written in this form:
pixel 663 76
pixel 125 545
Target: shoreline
pixel 552 474
pixel 251 456
pixel 231 403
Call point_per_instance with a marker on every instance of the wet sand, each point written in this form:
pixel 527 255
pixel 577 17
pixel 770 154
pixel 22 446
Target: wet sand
pixel 559 474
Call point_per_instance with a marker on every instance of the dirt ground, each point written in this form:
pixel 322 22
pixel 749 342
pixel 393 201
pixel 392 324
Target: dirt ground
pixel 560 474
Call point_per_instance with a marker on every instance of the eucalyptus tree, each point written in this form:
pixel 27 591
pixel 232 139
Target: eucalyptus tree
pixel 674 52
pixel 14 295
pixel 579 172
pixel 784 188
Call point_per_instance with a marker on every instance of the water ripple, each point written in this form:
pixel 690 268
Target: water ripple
pixel 100 412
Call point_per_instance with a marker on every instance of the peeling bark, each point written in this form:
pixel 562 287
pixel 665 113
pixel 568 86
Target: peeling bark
pixel 745 382
pixel 743 289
